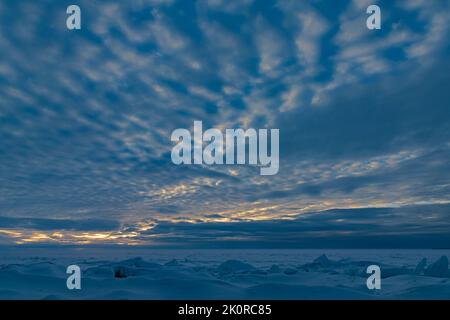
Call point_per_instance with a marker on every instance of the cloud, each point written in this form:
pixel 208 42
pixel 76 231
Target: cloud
pixel 352 228
pixel 373 118
pixel 58 224
pixel 86 116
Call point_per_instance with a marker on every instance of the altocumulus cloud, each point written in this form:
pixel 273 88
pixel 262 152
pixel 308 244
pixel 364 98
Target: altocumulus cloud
pixel 86 117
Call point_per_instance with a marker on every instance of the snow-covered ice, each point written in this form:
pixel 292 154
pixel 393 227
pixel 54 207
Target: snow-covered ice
pixel 138 273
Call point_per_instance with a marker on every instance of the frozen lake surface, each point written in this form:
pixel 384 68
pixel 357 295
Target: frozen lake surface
pixel 139 273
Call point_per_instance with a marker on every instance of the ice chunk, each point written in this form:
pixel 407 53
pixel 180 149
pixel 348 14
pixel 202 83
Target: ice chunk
pixel 324 262
pixel 420 268
pixel 438 269
pixel 123 272
pixel 274 269
pixel 139 263
pixel 172 263
pixel 319 263
pixel 323 259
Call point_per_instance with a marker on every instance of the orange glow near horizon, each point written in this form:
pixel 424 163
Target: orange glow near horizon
pixel 137 233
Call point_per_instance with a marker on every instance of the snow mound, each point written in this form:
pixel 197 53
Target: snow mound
pixel 259 272
pixel 302 292
pixel 42 268
pixel 392 272
pixel 99 272
pixel 231 266
pixel 289 271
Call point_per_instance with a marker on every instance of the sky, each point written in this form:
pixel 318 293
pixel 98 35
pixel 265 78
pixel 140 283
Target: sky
pixel 86 118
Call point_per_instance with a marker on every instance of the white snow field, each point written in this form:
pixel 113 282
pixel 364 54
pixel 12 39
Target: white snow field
pixel 137 273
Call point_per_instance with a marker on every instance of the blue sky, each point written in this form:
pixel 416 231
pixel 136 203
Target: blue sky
pixel 86 118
